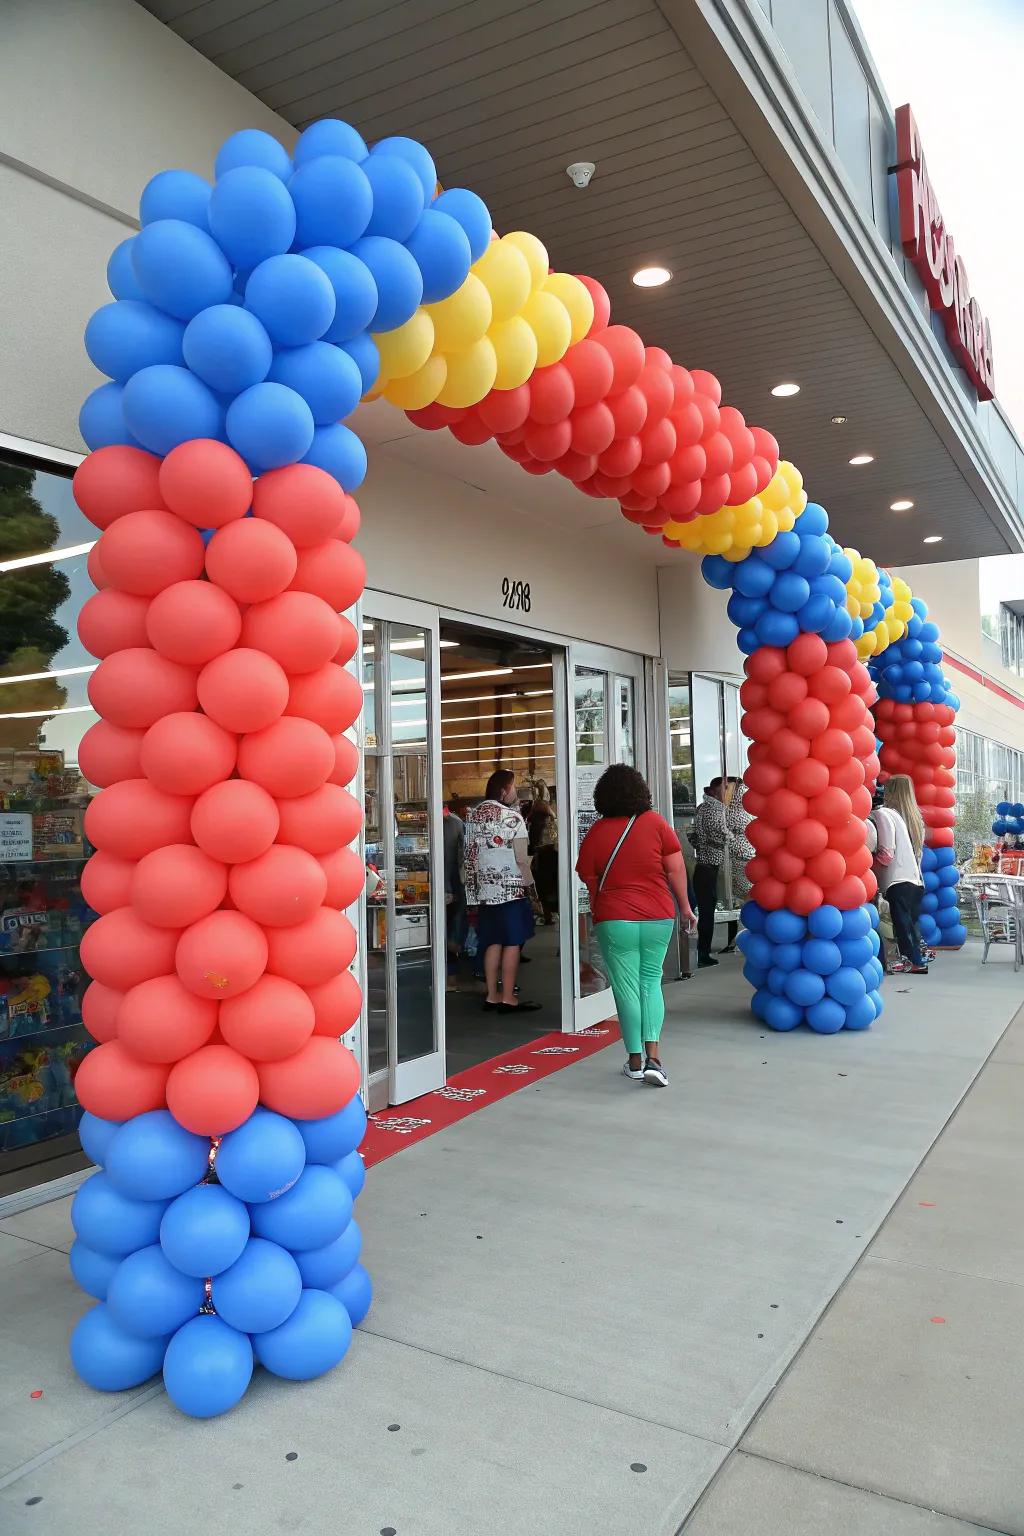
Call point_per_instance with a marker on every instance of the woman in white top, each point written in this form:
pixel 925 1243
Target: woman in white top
pixel 498 877
pixel 900 838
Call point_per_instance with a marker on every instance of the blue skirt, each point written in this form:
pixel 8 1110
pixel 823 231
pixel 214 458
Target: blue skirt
pixel 508 923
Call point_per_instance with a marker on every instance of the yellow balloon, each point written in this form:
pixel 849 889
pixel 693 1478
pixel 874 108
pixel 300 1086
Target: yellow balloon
pixel 576 298
pixel 782 522
pixel 549 320
pixel 470 374
pixel 461 320
pixel 536 255
pixel 505 273
pixel 420 388
pixel 515 348
pixel 404 350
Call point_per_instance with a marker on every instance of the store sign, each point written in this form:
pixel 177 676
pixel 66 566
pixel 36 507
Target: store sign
pixel 928 243
pixel 15 838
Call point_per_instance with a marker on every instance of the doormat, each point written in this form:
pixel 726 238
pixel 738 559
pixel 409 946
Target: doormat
pixel 393 1129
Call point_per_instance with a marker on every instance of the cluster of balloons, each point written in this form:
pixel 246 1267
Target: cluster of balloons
pixel 220 956
pixel 1009 820
pixel 940 908
pixel 822 968
pixel 909 668
pixel 254 311
pixel 733 531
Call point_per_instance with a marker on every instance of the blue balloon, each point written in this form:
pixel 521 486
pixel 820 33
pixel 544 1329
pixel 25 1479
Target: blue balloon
pixel 804 988
pixel 270 426
pixel 260 1290
pixel 825 922
pixel 439 247
pixel 814 554
pixel 856 952
pixel 363 352
pixel 251 146
pixel 826 1017
pixel 397 196
pixel 326 377
pixel 777 981
pixel 352 1169
pixel 121 278
pixel 717 572
pixel 948 876
pixel 471 212
pixel 747 641
pixel 418 157
pixel 101 419
pixel 753 577
pixel 838 627
pixel 262 1158
pixel 204 1230
pixel 398 279
pixel 335 1135
pixel 822 956
pixel 841 566
pixel 293 298
pixel 816 613
pixel 149 1298
pixel 861 1014
pixel 753 917
pixel 207 1367
pixel 784 927
pixel 96 1135
pixel 759 1002
pixel 355 1293
pixel 775 628
pixel 330 136
pixel 758 950
pixel 786 957
pixel 228 348
pixel 341 453
pixel 312 1340
pixel 110 1222
pixel 180 268
pixel 782 551
pixel 813 520
pixel 92 1270
pixel 845 985
pixel 334 200
pixel 955 937
pixel 175 195
pixel 165 406
pixel 109 1359
pixel 316 1209
pixel 858 922
pixel 322 1268
pixel 781 1014
pixel 790 591
pixel 355 292
pixel 757 976
pixel 252 216
pixel 152 1157
pixel 128 335
pixel 744 612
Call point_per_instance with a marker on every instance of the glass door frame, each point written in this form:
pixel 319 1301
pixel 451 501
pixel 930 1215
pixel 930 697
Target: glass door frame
pixel 410 1079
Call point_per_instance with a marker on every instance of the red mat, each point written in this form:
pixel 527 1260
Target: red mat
pixel 393 1129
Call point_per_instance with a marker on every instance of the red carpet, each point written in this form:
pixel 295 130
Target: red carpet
pixel 392 1129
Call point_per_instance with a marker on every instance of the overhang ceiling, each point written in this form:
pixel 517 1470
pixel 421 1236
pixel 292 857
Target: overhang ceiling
pixel 506 95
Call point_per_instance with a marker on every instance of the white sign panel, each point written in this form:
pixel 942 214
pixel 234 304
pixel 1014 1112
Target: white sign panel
pixel 15 838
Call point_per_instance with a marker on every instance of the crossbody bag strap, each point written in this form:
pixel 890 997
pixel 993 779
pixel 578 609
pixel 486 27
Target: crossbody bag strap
pixel 625 833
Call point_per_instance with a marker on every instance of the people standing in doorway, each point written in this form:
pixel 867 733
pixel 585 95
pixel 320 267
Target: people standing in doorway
pixel 737 820
pixel 899 837
pixel 543 847
pixel 498 880
pixel 632 865
pixel 454 832
pixel 708 838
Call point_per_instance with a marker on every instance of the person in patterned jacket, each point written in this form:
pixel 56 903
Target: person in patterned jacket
pixel 499 882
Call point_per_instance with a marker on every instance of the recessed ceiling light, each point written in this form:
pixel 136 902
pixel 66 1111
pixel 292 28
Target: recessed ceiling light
pixel 652 277
pixel 863 458
pixel 900 506
pixel 934 538
pixel 837 421
pixel 782 390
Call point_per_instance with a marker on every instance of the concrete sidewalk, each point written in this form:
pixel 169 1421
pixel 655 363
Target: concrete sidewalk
pixel 587 1293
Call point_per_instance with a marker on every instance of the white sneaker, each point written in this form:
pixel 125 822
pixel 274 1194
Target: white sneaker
pixel 655 1074
pixel 636 1073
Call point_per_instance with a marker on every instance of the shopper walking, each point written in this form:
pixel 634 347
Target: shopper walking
pixel 899 833
pixel 737 820
pixel 498 878
pixel 708 838
pixel 632 865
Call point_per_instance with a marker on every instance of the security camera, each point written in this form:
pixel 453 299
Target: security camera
pixel 580 172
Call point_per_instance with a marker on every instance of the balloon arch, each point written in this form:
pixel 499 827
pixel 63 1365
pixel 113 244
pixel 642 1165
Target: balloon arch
pixel 249 319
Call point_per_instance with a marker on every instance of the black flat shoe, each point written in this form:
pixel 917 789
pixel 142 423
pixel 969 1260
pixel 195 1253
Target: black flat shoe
pixel 519 1007
pixel 706 960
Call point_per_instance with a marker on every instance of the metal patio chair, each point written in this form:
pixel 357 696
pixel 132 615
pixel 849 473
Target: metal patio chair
pixel 999 906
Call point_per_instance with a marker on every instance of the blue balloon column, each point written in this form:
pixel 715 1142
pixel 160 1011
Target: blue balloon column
pixel 1009 819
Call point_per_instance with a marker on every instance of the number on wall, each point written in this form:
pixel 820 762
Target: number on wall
pixel 515 594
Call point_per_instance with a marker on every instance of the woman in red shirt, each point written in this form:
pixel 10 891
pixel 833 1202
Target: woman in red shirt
pixel 632 865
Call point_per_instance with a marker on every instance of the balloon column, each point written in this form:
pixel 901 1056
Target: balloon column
pixel 1009 819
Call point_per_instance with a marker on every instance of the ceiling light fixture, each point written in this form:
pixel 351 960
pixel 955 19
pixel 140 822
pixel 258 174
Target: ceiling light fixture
pixel 783 391
pixel 837 421
pixel 652 277
pixel 863 458
pixel 934 538
pixel 900 506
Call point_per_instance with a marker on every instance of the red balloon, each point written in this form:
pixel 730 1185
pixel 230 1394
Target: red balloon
pixel 788 748
pixel 274 1019
pixel 758 868
pixel 863 739
pixel 744 484
pixel 221 955
pixel 312 951
pixel 306 503
pixel 832 747
pixel 717 454
pixel 115 1085
pixel 120 950
pixel 552 394
pixel 828 867
pixel 235 821
pixel 765 778
pixel 629 411
pixel 333 571
pixel 655 384
pixel 290 757
pixel 351 522
pixel 769 894
pixel 858 862
pixel 808 777
pixel 346 760
pixel 135 687
pixel 848 893
pixel 601 301
pixel 761 724
pixel 336 1004
pixel 806 838
pixel 206 483
pixel 243 690
pixel 346 875
pixel 849 713
pixel 317 1081
pixel 658 442
pixel 350 642
pixel 160 1020
pixel 548 442
pixel 754 803
pixel 681 500
pixel 112 621
pixel 847 835
pixel 786 808
pixel 765 838
pixel 843 653
pixel 832 807
pixel 434 417
pixel 100 1006
pixel 804 896
pixel 94 566
pixel 177 885
pixel 108 753
pixel 621 458
pixel 212 1091
pixel 107 881
pixel 785 865
pixel 186 752
pixel 133 817
pixel 809 718
pixel 282 887
pixel 860 802
pixel 831 684
pixel 331 697
pixel 593 428
pixel 326 819
pixel 298 630
pixel 807 654
pixel 848 775
pixel 765 664
pixel 251 560
pixel 470 430
pixel 651 479
pixel 753 695
pixel 192 622
pixel 713 493
pixel 627 354
pixel 116 480
pixel 505 409
pixel 143 552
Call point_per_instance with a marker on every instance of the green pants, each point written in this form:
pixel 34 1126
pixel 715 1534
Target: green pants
pixel 635 954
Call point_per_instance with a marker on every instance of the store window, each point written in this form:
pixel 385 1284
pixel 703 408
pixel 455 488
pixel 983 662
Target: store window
pixel 1011 639
pixel 44 712
pixel 705 740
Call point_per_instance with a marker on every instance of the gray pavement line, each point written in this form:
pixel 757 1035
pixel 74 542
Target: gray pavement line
pixel 86 1433
pixel 537 1386
pixel 47 1247
pixel 944 1269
